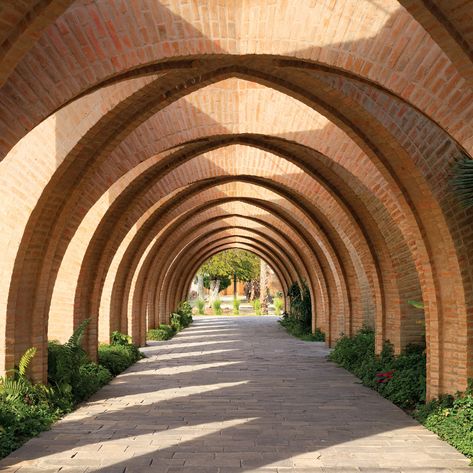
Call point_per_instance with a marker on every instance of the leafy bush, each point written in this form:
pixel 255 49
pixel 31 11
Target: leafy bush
pixel 184 309
pixel 18 387
pixel 451 419
pixel 401 378
pixel 20 421
pixel 176 322
pixel 179 320
pixel 118 338
pixel 26 409
pixel 117 358
pixel 92 378
pixel 300 304
pixel 236 306
pixel 200 306
pixel 256 306
pixel 299 329
pixel 164 332
pixel 217 307
pixel 278 305
pixel 64 362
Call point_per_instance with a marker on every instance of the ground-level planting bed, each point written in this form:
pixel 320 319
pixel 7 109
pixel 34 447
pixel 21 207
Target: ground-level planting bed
pixel 401 379
pixel 26 408
pixel 179 320
pixel 298 321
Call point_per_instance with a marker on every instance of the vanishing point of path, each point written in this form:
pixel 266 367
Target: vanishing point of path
pixel 236 394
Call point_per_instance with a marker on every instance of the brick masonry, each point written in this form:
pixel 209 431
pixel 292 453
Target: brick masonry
pixel 138 137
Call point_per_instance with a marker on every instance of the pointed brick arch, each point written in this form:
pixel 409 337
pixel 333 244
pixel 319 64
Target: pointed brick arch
pixel 352 144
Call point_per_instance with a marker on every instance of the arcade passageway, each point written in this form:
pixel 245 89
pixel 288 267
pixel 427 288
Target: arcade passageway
pixel 237 394
pixel 140 137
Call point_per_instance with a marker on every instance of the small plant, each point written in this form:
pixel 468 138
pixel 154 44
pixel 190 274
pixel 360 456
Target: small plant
pixel 256 306
pixel 179 320
pixel 278 305
pixel 164 332
pixel 399 378
pixel 236 306
pixel 118 338
pixel 176 322
pixel 116 358
pixel 65 360
pixel 184 309
pixel 416 304
pixel 451 419
pixel 217 307
pixel 300 330
pixel 18 387
pixel 200 306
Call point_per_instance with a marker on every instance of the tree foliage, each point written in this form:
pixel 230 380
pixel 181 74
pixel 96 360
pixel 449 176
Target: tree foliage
pixel 300 304
pixel 224 265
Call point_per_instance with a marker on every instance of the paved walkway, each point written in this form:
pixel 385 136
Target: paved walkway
pixel 236 395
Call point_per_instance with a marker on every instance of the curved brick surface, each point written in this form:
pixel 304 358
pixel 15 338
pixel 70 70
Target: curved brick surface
pixel 138 137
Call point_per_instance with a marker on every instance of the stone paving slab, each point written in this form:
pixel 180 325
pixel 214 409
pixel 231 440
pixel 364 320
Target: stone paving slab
pixel 232 395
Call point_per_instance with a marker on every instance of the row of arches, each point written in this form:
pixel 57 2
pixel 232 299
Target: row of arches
pixel 329 157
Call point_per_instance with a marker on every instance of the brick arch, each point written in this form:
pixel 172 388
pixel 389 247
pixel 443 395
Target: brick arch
pixel 214 246
pixel 129 271
pixel 448 24
pixel 322 306
pixel 362 57
pixel 186 213
pixel 198 227
pixel 22 24
pixel 173 287
pixel 163 191
pixel 262 247
pixel 445 244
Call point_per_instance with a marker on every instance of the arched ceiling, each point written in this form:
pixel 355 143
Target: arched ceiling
pixel 140 137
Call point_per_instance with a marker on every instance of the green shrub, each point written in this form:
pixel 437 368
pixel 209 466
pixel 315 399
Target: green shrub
pixel 118 338
pixel 117 358
pixel 176 322
pixel 179 320
pixel 300 305
pixel 299 329
pixel 26 409
pixel 20 421
pixel 64 362
pixel 217 307
pixel 401 379
pixel 164 332
pixel 451 419
pixel 236 306
pixel 184 310
pixel 256 306
pixel 92 378
pixel 200 306
pixel 278 305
